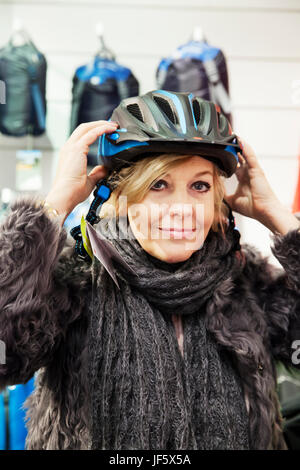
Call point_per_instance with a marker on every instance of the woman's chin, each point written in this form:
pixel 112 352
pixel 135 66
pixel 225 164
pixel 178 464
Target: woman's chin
pixel 173 254
pixel 177 259
pixel 173 250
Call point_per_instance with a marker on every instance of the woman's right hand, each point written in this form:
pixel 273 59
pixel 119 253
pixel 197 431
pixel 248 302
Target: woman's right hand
pixel 72 185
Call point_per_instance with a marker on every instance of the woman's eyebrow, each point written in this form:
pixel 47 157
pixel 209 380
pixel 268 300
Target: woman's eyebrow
pixel 201 173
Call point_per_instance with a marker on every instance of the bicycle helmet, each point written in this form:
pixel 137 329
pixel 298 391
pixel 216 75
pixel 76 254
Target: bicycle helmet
pixel 165 122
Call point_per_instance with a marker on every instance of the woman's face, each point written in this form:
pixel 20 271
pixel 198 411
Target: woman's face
pixel 174 218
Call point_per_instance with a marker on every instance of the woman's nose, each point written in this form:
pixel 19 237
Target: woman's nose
pixel 181 208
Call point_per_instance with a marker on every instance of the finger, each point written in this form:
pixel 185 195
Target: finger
pixel 97 169
pixel 228 199
pixel 249 155
pixel 87 126
pixel 242 160
pixel 89 137
pixel 97 173
pixel 242 174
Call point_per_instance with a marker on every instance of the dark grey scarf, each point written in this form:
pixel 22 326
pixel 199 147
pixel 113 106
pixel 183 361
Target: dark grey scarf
pixel 144 395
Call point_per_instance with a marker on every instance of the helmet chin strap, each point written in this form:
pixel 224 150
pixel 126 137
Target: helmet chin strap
pixel 101 194
pixel 232 225
pixel 230 215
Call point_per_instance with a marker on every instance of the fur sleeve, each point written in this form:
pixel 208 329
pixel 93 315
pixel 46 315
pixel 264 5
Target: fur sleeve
pixel 278 292
pixel 42 289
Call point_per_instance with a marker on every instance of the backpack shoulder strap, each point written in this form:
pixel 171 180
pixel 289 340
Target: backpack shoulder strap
pixel 78 90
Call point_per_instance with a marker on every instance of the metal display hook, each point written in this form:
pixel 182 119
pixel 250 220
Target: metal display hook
pixel 19 35
pixel 103 51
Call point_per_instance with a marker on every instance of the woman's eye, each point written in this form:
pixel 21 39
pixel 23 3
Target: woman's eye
pixel 155 186
pixel 198 184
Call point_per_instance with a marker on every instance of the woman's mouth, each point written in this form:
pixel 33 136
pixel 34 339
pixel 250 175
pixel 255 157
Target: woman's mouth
pixel 179 233
pixel 177 229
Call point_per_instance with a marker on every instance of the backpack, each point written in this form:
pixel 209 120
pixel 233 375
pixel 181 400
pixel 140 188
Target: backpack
pixel 198 68
pixel 98 88
pixel 13 430
pixel 23 70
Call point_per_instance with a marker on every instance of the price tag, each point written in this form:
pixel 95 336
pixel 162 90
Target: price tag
pixel 28 170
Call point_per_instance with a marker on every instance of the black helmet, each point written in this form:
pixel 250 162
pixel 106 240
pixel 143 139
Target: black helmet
pixel 167 122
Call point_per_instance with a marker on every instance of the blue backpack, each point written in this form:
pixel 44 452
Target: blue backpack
pixel 12 416
pixel 199 68
pixel 98 88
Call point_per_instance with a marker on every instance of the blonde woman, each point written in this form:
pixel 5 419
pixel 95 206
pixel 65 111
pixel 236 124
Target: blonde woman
pixel 180 352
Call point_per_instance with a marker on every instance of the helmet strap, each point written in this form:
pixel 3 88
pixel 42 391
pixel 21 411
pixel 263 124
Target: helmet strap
pixel 232 226
pixel 101 194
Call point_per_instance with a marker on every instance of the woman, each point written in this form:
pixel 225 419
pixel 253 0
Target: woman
pixel 178 350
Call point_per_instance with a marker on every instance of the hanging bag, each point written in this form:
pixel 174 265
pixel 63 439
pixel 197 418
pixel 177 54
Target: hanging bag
pixel 98 88
pixel 198 68
pixel 23 70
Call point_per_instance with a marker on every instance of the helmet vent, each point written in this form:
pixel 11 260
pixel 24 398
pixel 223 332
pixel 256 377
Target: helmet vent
pixel 223 129
pixel 164 105
pixel 197 112
pixel 134 109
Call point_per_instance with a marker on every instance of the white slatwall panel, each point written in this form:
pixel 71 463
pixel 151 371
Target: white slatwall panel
pixel 261 40
pixel 130 28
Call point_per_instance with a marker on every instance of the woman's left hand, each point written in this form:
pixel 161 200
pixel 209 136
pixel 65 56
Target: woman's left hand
pixel 254 196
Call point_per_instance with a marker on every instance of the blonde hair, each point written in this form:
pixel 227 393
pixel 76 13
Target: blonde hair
pixel 135 180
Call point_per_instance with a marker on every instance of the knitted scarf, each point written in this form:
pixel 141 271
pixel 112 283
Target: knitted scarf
pixel 144 394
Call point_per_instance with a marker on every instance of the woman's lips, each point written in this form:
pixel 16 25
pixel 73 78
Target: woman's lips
pixel 178 233
pixel 177 229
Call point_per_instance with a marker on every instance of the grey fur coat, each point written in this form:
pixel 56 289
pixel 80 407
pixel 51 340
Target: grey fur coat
pixel 45 294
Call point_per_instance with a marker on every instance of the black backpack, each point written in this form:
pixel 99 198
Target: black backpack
pixel 198 68
pixel 23 71
pixel 98 88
